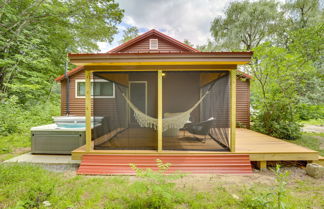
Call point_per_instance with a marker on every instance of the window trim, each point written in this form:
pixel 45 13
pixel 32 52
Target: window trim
pixel 92 81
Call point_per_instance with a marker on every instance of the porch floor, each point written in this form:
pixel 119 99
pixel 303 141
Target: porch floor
pixel 260 147
pixel 145 139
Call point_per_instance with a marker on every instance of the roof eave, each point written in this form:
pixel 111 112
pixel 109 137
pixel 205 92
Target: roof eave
pixel 161 58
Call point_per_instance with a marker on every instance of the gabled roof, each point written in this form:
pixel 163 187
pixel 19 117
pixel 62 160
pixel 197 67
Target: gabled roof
pixel 151 33
pixel 185 51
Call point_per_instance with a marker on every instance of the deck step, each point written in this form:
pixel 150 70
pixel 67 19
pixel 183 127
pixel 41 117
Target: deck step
pixel 110 164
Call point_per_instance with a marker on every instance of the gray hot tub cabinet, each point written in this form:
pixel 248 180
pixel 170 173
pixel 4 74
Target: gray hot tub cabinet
pixel 56 142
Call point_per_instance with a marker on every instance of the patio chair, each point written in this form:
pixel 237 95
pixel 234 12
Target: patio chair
pixel 200 129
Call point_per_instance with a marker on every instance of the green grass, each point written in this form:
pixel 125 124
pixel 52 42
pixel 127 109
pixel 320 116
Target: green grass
pixel 25 186
pixel 9 143
pixel 310 140
pixel 317 122
pixel 13 145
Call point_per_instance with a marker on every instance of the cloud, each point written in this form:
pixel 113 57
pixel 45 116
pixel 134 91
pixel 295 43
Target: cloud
pixel 180 19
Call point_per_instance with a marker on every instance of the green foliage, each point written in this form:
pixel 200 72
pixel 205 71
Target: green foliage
pixel 287 67
pixel 157 186
pixel 277 198
pixel 303 13
pixel 285 85
pixel 129 34
pixel 280 77
pixel 307 112
pixel 35 36
pixel 312 141
pixel 17 118
pixel 26 186
pixel 246 24
pixel 316 122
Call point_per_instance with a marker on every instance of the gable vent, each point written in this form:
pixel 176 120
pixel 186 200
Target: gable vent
pixel 154 44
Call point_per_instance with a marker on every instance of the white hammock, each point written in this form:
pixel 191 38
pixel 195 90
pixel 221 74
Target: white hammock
pixel 176 121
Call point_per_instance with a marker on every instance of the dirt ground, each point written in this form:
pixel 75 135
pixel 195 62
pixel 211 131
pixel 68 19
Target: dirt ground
pixel 203 182
pixel 207 183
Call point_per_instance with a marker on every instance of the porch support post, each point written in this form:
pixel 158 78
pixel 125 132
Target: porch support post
pixel 262 165
pixel 160 109
pixel 233 109
pixel 88 109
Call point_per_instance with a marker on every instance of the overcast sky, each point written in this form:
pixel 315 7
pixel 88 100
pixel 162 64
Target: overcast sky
pixel 180 19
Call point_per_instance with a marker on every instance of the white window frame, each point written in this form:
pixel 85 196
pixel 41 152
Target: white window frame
pixel 157 45
pixel 92 81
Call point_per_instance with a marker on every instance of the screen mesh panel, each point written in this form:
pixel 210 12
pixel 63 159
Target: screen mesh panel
pixel 195 110
pixel 208 126
pixel 120 129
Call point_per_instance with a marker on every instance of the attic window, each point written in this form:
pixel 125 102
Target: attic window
pixel 154 44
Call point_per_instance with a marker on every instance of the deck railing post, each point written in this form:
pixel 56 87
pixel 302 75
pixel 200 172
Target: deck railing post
pixel 160 109
pixel 88 109
pixel 233 109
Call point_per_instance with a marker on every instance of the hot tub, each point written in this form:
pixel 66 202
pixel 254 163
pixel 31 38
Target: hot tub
pixel 63 136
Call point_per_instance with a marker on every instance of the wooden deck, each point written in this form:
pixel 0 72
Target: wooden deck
pixel 260 147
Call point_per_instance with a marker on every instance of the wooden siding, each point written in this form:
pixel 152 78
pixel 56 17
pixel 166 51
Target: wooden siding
pixel 144 46
pixel 77 105
pixel 243 103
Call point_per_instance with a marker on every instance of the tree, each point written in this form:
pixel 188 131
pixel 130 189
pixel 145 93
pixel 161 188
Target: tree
pixel 35 36
pixel 129 34
pixel 279 77
pixel 209 47
pixel 303 13
pixel 246 24
pixel 187 42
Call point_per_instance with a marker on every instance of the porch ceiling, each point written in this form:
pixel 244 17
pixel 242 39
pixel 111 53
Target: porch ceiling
pixel 161 59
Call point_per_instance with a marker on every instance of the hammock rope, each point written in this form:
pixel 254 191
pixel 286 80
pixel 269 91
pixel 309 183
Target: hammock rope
pixel 177 121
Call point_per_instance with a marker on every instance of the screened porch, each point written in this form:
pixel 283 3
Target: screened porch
pixel 195 110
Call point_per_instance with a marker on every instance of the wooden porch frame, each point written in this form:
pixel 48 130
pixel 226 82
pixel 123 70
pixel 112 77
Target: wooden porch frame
pixel 88 73
pixel 233 110
pixel 88 110
pixel 160 111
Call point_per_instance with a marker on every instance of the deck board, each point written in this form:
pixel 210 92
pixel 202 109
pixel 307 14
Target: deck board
pixel 260 147
pixel 253 142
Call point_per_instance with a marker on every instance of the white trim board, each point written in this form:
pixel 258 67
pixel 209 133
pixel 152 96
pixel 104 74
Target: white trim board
pixel 92 80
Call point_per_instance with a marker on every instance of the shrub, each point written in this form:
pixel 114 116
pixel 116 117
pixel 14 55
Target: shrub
pixel 278 120
pixel 155 189
pixel 274 199
pixel 18 118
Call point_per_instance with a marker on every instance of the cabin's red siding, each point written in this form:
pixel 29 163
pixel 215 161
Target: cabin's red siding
pixel 77 105
pixel 243 102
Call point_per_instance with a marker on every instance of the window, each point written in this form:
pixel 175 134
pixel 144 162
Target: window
pixel 99 89
pixel 154 44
